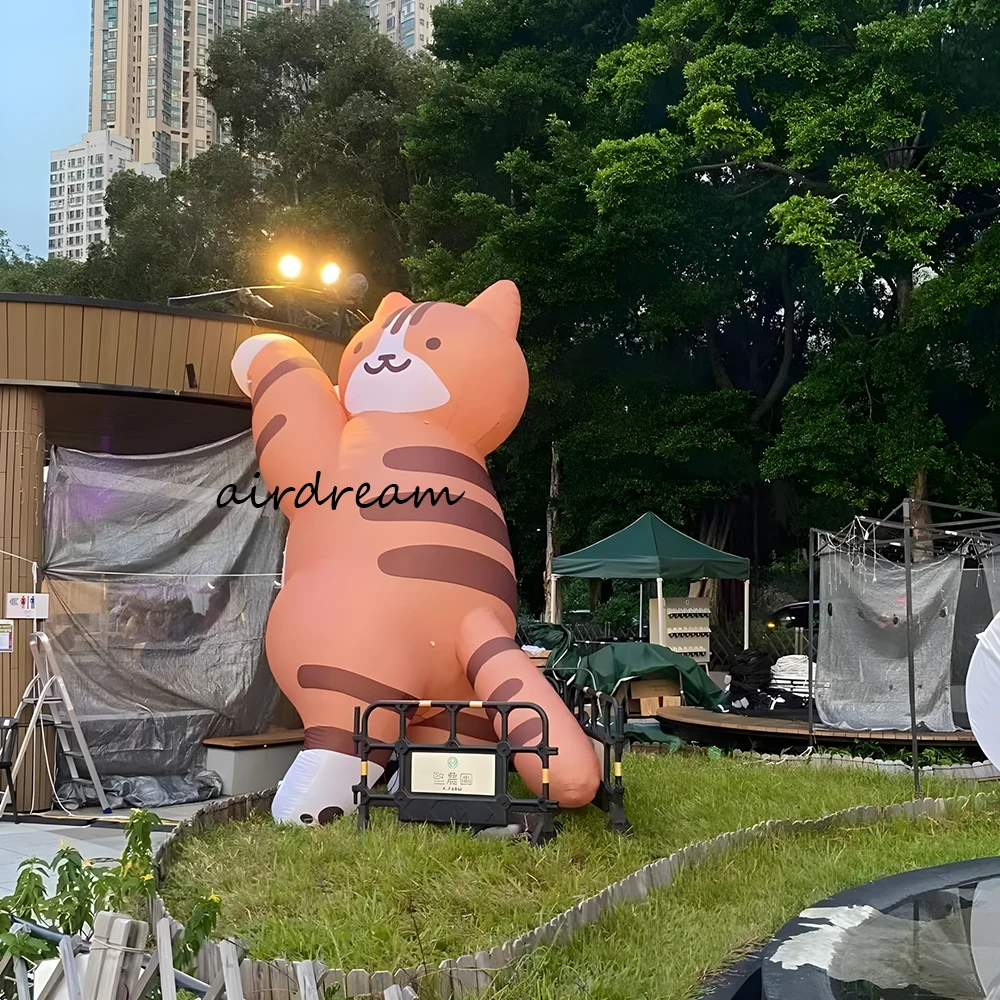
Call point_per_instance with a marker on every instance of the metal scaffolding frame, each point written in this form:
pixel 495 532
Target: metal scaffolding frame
pixel 977 531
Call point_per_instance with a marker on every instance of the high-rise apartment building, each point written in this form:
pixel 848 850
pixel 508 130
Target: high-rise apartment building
pixel 78 177
pixel 406 22
pixel 145 55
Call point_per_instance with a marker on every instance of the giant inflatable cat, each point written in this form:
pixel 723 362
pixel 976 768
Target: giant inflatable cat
pixel 389 600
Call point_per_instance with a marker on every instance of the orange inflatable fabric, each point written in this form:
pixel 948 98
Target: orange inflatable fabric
pixel 387 595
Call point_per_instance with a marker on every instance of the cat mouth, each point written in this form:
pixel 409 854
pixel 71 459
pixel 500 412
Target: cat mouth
pixel 387 365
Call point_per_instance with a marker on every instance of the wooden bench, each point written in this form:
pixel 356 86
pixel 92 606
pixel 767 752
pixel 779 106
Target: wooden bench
pixel 252 763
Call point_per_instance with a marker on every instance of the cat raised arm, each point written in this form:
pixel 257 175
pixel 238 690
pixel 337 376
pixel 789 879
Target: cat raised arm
pixel 298 418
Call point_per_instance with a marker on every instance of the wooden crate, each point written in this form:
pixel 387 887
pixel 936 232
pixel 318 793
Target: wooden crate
pixel 541 658
pixel 646 696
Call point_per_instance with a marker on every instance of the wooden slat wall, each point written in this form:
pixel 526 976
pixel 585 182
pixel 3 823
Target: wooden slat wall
pixel 53 342
pixel 57 342
pixel 22 458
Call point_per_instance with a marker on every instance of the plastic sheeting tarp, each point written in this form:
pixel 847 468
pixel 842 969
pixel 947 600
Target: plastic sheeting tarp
pixel 145 792
pixel 862 677
pixel 159 600
pixel 991 571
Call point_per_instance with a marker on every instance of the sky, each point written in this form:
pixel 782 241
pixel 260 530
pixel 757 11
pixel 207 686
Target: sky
pixel 44 79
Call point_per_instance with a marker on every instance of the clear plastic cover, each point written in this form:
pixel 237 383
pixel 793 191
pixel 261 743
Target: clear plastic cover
pixel 159 601
pixel 862 677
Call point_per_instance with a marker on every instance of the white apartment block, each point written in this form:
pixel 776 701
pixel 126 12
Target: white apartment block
pixel 406 22
pixel 78 177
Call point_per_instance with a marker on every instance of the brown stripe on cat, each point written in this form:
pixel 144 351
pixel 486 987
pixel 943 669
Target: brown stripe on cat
pixel 270 429
pixel 443 461
pixel 474 726
pixel 280 370
pixel 329 738
pixel 506 690
pixel 523 734
pixel 401 319
pixel 486 652
pixel 319 677
pixel 447 564
pixel 467 514
pixel 421 312
pixel 393 316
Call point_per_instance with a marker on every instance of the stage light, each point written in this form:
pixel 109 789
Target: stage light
pixel 330 273
pixel 290 266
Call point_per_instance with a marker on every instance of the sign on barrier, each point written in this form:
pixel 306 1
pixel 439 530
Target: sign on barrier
pixel 453 782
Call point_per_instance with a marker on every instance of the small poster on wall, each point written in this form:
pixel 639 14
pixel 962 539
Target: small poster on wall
pixel 28 605
pixel 6 635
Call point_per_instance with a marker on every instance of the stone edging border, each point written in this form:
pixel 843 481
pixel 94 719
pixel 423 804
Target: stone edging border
pixel 982 771
pixel 473 974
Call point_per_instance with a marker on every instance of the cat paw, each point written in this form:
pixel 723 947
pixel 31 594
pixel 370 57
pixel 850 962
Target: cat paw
pixel 318 788
pixel 245 354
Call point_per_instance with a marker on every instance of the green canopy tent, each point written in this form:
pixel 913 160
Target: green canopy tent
pixel 650 549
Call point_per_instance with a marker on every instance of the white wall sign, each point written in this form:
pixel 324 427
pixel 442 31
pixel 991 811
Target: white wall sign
pixel 452 773
pixel 27 606
pixel 6 635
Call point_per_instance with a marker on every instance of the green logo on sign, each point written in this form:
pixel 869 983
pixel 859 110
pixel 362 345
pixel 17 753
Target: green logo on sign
pixel 453 762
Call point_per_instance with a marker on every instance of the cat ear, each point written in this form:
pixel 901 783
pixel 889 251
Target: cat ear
pixel 502 303
pixel 393 302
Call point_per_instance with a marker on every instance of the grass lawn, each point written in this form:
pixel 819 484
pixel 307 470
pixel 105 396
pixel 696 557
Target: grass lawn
pixel 401 894
pixel 663 949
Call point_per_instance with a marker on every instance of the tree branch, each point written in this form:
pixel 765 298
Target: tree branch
pixel 776 168
pixel 780 383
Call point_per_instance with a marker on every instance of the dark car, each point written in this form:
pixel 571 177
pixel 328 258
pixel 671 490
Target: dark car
pixel 794 616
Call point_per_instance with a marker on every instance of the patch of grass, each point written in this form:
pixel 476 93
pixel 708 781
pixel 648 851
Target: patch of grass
pixel 401 894
pixel 711 916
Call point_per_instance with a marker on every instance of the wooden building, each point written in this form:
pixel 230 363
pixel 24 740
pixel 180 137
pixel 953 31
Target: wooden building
pixel 113 377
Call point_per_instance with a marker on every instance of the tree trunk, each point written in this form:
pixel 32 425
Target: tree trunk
pixel 595 595
pixel 553 609
pixel 717 535
pixel 920 517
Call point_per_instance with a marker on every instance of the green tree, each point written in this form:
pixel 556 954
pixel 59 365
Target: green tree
pixel 316 102
pixel 22 272
pixel 877 125
pixel 197 230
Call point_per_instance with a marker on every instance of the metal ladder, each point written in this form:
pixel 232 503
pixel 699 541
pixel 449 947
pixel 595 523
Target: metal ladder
pixel 48 690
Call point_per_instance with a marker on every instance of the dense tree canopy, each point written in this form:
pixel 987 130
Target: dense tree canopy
pixel 758 241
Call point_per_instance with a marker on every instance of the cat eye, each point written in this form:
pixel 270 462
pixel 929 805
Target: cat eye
pixel 358 346
pixel 433 344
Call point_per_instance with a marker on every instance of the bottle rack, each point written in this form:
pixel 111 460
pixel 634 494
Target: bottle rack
pixel 688 627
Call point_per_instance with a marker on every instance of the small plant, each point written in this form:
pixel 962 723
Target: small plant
pixel 84 888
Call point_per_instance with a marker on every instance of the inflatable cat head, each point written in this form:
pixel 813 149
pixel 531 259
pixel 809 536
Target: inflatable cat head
pixel 456 366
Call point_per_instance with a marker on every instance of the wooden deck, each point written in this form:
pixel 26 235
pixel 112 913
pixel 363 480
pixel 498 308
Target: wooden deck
pixel 760 727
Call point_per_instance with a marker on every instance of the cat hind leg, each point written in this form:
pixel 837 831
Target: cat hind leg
pixel 499 670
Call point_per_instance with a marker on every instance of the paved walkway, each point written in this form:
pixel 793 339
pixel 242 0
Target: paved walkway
pixel 20 841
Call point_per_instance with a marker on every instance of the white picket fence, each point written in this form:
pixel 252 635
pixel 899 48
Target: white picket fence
pixel 115 965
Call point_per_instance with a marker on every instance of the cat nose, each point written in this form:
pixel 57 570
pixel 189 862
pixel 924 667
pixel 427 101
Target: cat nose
pixel 386 357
